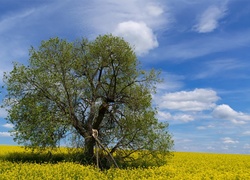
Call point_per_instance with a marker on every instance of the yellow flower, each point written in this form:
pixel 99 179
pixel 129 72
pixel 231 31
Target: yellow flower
pixel 183 166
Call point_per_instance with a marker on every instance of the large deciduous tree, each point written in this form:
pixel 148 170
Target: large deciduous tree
pixel 71 88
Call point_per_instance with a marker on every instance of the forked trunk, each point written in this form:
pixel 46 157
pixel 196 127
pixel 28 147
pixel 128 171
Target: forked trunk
pixel 89 149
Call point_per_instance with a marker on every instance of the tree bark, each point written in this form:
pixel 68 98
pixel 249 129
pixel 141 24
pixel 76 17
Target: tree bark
pixel 89 148
pixel 101 114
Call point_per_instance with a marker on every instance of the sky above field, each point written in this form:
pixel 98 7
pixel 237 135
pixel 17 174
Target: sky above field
pixel 202 48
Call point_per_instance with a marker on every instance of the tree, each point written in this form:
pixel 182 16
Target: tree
pixel 71 88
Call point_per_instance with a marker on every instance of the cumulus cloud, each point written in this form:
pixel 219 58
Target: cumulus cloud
pixel 183 117
pixel 135 20
pixel 113 12
pixel 3 113
pixel 5 134
pixel 196 100
pixel 8 125
pixel 138 34
pixel 163 116
pixel 226 112
pixel 208 21
pixel 228 140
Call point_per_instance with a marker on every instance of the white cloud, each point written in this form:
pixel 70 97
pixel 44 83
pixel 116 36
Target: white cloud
pixel 226 112
pixel 166 116
pixel 225 147
pixel 3 113
pixel 196 100
pixel 184 50
pixel 186 140
pixel 138 34
pixel 246 133
pixel 210 126
pixel 183 117
pixel 14 19
pixel 246 146
pixel 219 67
pixel 170 82
pixel 112 12
pixel 205 127
pixel 154 11
pixel 208 21
pixel 23 20
pixel 210 148
pixel 5 134
pixel 12 49
pixel 138 21
pixel 201 127
pixel 8 125
pixel 228 140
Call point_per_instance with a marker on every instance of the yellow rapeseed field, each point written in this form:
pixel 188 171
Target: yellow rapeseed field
pixel 182 166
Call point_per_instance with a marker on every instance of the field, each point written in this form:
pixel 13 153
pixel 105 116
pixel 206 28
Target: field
pixel 182 166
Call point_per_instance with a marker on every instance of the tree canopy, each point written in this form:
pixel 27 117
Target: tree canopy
pixel 69 89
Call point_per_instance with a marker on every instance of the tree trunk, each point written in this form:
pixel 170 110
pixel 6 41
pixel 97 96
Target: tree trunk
pixel 89 148
pixel 89 139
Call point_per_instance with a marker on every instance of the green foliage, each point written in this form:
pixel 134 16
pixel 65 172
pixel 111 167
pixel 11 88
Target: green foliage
pixel 70 88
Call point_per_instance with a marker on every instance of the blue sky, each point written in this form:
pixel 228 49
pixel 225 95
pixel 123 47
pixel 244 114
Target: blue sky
pixel 201 47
